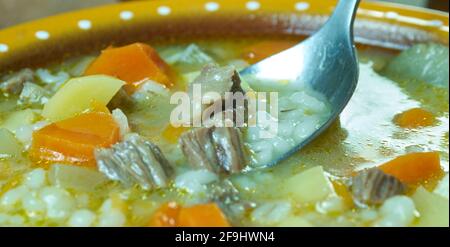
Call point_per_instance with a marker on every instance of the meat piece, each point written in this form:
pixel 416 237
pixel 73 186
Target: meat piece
pixel 198 148
pixel 219 150
pixel 121 100
pixel 229 149
pixel 230 201
pixel 373 187
pixel 14 84
pixel 214 79
pixel 135 161
pixel 218 79
pixel 224 192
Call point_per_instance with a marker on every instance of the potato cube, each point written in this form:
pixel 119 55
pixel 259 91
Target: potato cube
pixel 9 146
pixel 18 119
pixel 78 94
pixel 433 209
pixel 309 186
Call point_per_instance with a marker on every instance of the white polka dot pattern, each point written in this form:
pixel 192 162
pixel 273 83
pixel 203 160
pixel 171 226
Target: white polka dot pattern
pixel 126 15
pixel 212 6
pixel 4 48
pixel 253 5
pixel 302 6
pixel 42 35
pixel 164 10
pixel 85 24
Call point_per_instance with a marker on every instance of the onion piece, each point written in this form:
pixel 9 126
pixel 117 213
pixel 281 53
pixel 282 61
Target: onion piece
pixel 9 146
pixel 75 177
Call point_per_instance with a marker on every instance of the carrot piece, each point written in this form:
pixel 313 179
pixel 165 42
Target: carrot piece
pixel 415 118
pixel 414 168
pixel 133 64
pixel 166 216
pixel 172 134
pixel 74 140
pixel 206 215
pixel 259 51
pixel 342 191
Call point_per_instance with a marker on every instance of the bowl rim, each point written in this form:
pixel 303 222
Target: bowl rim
pixel 52 34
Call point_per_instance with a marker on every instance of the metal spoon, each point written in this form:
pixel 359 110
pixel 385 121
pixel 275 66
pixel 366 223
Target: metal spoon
pixel 326 61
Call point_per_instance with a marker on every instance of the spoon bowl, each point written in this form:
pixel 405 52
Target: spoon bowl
pixel 326 62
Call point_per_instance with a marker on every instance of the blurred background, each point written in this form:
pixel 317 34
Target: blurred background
pixel 17 11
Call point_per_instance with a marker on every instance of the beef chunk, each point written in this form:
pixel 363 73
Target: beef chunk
pixel 229 149
pixel 198 148
pixel 121 100
pixel 373 187
pixel 135 161
pixel 220 80
pixel 230 200
pixel 219 150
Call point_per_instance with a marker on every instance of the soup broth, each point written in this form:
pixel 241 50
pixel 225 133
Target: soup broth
pixel 313 187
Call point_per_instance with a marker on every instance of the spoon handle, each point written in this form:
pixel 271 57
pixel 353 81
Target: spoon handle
pixel 341 22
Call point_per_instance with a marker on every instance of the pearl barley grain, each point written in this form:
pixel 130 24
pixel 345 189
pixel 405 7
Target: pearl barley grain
pixel 397 211
pixel 82 218
pixel 59 203
pixel 112 218
pixel 35 179
pixel 11 198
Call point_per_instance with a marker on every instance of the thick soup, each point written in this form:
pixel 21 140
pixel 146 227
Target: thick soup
pixel 124 138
